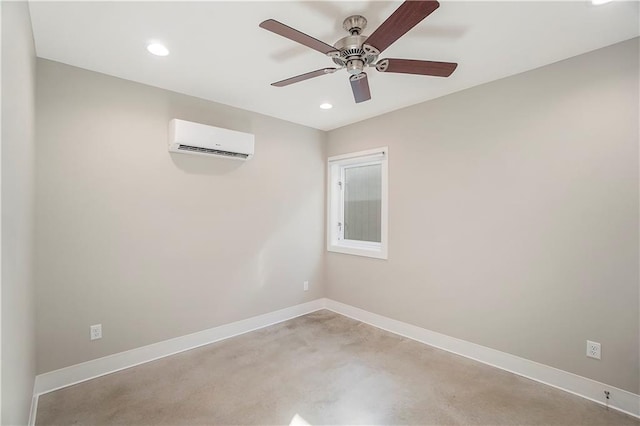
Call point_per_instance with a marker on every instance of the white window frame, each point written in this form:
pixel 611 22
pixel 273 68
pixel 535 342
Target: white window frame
pixel 335 203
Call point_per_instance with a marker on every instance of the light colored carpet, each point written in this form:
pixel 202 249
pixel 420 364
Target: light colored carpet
pixel 321 368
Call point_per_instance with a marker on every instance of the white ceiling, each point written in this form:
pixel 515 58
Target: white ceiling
pixel 219 53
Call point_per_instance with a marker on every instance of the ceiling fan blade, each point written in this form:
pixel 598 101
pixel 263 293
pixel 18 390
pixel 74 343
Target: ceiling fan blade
pixel 295 35
pixel 360 87
pixel 407 16
pixel 305 76
pixel 411 66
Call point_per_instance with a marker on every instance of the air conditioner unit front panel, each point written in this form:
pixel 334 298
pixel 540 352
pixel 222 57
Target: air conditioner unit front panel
pixel 194 138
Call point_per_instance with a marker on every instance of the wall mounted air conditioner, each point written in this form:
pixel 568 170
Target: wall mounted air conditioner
pixel 186 137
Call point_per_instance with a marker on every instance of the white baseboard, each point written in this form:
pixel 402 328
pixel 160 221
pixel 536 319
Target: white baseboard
pixel 71 375
pixel 621 400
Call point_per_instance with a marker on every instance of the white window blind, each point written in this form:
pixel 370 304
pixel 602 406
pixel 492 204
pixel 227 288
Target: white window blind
pixel 357 203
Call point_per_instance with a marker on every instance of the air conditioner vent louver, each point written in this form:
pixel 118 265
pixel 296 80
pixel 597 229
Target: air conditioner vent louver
pixel 212 151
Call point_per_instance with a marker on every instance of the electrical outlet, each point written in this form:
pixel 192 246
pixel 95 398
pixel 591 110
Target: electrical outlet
pixel 306 285
pixel 593 349
pixel 96 331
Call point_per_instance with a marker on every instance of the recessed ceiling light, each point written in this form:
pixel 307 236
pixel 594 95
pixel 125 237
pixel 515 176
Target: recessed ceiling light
pixel 599 2
pixel 326 105
pixel 157 49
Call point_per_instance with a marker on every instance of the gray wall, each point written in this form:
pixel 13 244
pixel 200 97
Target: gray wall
pixel 513 215
pixel 18 315
pixel 155 245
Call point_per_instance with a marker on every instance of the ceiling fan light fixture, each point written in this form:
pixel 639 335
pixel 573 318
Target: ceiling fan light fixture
pixel 157 49
pixel 326 105
pixel 354 66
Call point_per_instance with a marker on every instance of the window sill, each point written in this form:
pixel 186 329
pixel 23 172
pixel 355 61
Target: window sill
pixel 376 253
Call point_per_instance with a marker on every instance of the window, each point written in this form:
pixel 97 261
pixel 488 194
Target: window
pixel 357 203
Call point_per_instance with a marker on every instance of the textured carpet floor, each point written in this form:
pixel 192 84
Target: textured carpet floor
pixel 321 368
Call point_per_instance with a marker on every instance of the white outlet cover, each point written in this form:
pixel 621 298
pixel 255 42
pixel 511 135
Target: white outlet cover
pixel 96 331
pixel 306 285
pixel 594 349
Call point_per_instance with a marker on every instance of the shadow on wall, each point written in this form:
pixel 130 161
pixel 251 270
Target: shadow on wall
pixel 205 165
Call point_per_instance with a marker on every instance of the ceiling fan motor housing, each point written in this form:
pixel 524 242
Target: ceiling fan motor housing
pixel 352 55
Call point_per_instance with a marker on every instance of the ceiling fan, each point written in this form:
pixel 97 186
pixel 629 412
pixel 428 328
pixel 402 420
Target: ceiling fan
pixel 357 51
